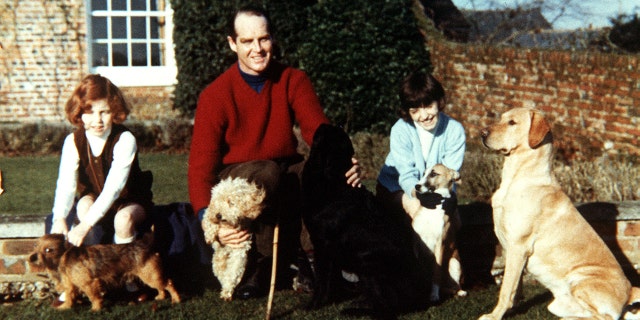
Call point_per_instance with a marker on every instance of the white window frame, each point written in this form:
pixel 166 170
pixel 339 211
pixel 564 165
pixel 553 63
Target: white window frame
pixel 136 76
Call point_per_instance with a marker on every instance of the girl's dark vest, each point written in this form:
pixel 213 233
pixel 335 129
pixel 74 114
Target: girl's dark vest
pixel 94 170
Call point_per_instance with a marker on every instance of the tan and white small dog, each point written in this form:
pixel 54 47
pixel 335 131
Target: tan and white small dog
pixel 437 222
pixel 235 202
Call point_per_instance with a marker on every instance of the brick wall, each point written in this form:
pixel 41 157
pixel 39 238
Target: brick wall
pixel 592 99
pixel 43 57
pixel 18 279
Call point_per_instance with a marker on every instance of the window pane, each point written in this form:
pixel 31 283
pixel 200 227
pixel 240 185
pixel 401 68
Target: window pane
pixel 119 27
pixel 139 54
pixel 99 53
pixel 139 5
pixel 155 28
pixel 156 54
pixel 138 28
pixel 127 36
pixel 98 27
pixel 119 5
pixel 98 5
pixel 120 55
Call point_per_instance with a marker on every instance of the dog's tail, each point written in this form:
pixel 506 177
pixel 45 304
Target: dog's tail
pixel 632 310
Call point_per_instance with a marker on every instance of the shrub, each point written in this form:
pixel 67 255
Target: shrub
pixel 32 138
pixel 625 32
pixel 173 135
pixel 596 179
pixel 355 52
pixel 201 48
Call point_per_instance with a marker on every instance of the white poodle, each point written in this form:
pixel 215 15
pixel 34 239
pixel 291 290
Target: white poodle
pixel 235 202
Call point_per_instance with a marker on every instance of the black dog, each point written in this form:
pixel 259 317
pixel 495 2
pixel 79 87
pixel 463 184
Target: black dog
pixel 351 232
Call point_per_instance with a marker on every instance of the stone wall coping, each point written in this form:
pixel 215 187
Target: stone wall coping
pixel 22 226
pixel 33 225
pixel 479 213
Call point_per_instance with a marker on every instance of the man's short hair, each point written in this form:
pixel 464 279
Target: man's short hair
pixel 252 10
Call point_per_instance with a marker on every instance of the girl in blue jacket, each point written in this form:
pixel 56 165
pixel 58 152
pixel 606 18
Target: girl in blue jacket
pixel 422 137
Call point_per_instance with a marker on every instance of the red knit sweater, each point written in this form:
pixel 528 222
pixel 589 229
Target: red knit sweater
pixel 234 123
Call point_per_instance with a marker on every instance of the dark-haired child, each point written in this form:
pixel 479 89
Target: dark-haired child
pixel 423 137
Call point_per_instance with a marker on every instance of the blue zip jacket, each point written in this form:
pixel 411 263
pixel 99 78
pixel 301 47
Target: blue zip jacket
pixel 405 164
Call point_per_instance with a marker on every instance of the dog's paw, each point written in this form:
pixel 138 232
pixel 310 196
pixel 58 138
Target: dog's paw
pixel 461 293
pixel 226 295
pixel 488 317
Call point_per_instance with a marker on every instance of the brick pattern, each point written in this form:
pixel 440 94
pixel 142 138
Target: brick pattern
pixel 43 57
pixel 592 99
pixel 14 257
pixel 19 279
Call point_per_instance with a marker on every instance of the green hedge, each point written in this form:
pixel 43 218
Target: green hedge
pixel 169 135
pixel 355 52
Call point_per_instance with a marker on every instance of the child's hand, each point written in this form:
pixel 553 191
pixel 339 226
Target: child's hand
pixel 77 234
pixel 411 205
pixel 59 226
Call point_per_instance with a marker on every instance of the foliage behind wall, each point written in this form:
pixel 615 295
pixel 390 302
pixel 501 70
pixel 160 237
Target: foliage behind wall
pixel 355 52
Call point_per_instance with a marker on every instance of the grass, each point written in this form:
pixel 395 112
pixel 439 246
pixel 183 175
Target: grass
pixel 30 181
pixel 287 305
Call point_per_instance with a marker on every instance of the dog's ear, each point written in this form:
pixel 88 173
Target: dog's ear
pixel 455 176
pixel 538 130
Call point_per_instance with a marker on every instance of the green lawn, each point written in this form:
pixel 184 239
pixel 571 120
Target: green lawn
pixel 287 305
pixel 30 181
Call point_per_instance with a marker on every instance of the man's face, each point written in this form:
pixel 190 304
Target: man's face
pixel 253 43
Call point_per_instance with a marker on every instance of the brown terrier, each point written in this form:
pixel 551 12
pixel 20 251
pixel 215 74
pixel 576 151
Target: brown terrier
pixel 93 269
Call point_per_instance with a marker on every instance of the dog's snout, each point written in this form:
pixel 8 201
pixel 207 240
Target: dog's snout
pixel 484 132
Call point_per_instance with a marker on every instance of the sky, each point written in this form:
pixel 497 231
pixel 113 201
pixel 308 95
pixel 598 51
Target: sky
pixel 579 14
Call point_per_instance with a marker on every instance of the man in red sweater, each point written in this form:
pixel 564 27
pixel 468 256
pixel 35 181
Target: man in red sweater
pixel 244 128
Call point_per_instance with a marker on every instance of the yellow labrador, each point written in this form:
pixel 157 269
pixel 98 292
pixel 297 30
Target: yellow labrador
pixel 540 229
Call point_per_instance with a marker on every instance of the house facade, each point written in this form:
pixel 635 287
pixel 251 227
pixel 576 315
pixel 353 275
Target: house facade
pixel 47 47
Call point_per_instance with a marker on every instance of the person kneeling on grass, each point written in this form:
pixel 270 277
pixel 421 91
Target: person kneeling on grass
pixel 243 128
pixel 99 168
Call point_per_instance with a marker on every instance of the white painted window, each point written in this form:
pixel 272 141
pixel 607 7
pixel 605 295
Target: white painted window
pixel 130 41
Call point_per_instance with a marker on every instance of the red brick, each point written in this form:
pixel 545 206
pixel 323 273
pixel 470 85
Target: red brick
pixel 18 247
pixel 12 266
pixel 631 229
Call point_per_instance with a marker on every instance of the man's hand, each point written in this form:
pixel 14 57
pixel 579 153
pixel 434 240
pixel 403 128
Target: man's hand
pixel 232 237
pixel 353 175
